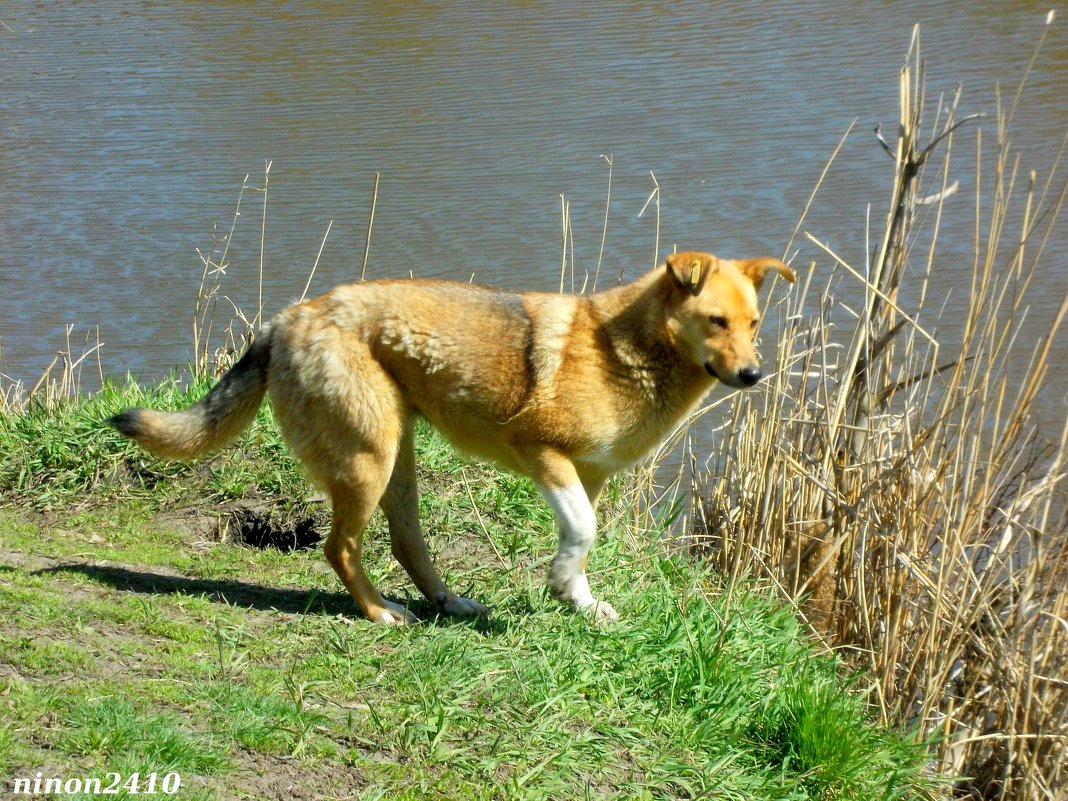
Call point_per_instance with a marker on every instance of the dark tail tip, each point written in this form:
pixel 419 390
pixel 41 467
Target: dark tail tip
pixel 127 423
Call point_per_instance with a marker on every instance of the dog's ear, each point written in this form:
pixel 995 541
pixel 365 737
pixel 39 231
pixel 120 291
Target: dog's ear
pixel 690 270
pixel 757 269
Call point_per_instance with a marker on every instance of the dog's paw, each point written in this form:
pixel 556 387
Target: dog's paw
pixel 583 601
pixel 392 614
pixel 574 590
pixel 601 612
pixel 458 606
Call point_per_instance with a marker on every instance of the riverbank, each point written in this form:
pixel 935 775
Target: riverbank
pixel 141 634
pixel 896 479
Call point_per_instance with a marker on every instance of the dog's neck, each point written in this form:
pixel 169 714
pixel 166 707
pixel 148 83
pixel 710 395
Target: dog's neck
pixel 632 320
pixel 634 311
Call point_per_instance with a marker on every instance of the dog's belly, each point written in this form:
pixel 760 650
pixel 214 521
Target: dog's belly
pixel 478 438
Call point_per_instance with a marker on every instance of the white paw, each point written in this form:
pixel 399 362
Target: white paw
pixel 575 591
pixel 393 614
pixel 601 611
pixel 458 606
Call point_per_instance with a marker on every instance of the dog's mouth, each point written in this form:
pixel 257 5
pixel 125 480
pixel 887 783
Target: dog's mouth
pixel 712 371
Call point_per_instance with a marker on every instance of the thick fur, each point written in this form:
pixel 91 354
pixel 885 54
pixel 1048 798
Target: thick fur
pixel 223 413
pixel 564 389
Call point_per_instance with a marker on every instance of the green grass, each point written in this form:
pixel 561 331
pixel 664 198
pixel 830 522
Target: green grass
pixel 127 643
pixel 57 457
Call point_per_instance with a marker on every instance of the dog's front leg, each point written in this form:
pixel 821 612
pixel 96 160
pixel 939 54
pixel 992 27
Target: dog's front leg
pixel 575 515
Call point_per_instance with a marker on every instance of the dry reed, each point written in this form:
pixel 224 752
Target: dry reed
pixel 902 495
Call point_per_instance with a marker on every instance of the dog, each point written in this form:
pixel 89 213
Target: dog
pixel 564 389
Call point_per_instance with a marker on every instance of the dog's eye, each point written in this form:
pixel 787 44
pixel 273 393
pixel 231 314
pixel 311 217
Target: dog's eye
pixel 717 321
pixel 753 325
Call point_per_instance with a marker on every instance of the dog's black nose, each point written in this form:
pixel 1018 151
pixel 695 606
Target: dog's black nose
pixel 749 375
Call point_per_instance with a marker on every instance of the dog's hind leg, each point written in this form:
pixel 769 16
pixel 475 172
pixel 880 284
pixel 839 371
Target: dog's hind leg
pixel 401 506
pixel 353 503
pixel 343 416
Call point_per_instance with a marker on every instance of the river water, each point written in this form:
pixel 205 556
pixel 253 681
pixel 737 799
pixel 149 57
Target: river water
pixel 128 129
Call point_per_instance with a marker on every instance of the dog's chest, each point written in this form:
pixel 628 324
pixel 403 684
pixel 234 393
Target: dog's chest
pixel 634 436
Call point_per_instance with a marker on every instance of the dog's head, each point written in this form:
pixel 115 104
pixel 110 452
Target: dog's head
pixel 713 314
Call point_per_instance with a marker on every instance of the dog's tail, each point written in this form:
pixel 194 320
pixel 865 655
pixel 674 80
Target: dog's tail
pixel 222 414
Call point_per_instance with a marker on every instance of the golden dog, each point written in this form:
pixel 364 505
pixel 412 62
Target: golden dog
pixel 565 389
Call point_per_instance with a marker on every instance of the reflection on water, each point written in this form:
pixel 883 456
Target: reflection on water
pixel 127 132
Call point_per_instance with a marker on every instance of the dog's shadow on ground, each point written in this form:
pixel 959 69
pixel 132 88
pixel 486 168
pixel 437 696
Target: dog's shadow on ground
pixel 241 594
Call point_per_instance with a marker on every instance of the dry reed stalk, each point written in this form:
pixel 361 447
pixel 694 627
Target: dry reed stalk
pixel 370 227
pixel 213 268
pixel 263 243
pixel 654 196
pixel 315 265
pixel 604 228
pixel 567 243
pixel 51 389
